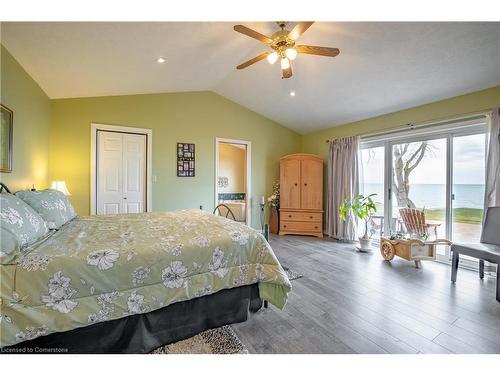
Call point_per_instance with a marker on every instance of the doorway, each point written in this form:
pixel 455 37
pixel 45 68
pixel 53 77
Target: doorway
pixel 440 170
pixel 120 169
pixel 233 177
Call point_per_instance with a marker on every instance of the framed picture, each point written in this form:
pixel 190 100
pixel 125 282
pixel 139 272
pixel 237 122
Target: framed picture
pixel 7 124
pixel 185 160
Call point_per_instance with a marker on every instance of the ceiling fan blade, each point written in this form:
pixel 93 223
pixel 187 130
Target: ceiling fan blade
pixel 315 50
pixel 253 34
pixel 299 29
pixel 287 73
pixel 262 56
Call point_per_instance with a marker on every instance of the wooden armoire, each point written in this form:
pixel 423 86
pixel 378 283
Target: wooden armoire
pixel 301 195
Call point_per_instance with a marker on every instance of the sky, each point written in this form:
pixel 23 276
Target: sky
pixel 468 168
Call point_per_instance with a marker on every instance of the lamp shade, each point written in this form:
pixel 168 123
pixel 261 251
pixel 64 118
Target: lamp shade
pixel 285 63
pixel 291 53
pixel 272 58
pixel 61 186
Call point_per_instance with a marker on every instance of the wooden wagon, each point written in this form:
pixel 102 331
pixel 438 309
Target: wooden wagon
pixel 410 249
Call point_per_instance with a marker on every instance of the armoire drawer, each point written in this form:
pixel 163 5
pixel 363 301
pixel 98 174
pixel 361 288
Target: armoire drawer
pixel 301 216
pixel 299 226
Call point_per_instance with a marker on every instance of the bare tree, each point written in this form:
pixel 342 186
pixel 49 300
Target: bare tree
pixel 406 158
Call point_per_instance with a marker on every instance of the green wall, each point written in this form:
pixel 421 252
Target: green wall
pixel 195 117
pixel 456 106
pixel 31 108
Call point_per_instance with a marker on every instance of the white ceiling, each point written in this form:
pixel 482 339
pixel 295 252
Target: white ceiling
pixel 382 67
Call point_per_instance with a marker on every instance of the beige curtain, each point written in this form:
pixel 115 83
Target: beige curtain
pixel 492 185
pixel 343 182
pixel 492 188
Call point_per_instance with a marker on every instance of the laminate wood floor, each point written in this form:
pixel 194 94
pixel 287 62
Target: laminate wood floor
pixel 350 302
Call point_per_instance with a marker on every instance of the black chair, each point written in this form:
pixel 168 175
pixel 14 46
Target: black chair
pixel 487 249
pixel 227 210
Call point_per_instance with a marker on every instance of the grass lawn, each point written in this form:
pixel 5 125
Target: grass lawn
pixel 460 215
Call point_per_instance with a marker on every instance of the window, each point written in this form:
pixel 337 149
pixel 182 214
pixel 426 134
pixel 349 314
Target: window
pixel 440 169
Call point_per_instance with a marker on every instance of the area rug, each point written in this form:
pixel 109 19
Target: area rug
pixel 221 340
pixel 292 275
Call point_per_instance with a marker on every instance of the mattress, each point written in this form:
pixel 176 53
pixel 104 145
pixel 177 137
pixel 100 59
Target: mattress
pixel 100 268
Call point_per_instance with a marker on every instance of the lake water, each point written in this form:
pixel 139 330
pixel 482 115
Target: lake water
pixel 434 195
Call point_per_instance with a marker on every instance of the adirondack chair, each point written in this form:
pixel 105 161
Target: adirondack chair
pixel 415 223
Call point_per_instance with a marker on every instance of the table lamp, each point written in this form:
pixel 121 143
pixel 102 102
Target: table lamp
pixel 60 186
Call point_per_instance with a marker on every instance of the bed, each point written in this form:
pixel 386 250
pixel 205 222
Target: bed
pixel 130 283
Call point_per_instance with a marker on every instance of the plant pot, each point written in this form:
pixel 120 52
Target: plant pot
pixel 274 221
pixel 365 244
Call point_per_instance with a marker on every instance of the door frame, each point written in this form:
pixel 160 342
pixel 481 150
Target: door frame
pixel 248 179
pixel 94 128
pixel 449 133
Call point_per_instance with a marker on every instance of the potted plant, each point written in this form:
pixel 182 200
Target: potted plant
pixel 274 202
pixel 362 207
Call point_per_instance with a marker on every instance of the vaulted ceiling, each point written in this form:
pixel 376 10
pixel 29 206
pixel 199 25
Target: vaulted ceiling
pixel 382 67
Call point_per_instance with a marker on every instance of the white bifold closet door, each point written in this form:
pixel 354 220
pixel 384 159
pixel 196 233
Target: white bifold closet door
pixel 121 172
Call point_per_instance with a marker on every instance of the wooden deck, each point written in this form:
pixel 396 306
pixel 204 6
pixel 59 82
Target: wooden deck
pixel 350 302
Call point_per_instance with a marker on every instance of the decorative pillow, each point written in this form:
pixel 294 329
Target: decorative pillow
pixel 21 221
pixel 52 205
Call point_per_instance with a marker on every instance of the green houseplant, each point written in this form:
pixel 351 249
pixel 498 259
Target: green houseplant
pixel 361 207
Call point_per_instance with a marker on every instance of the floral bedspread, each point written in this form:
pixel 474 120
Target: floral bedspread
pixel 99 268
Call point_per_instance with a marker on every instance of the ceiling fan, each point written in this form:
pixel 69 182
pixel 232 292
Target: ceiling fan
pixel 283 46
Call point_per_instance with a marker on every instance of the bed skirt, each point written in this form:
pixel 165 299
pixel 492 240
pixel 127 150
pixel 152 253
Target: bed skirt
pixel 142 333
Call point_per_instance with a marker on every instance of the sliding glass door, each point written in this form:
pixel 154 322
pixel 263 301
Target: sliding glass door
pixel 468 187
pixel 372 165
pixel 469 164
pixel 419 180
pixel 440 171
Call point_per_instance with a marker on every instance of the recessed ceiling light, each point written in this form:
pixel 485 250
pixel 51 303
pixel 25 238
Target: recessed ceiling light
pixel 161 60
pixel 292 93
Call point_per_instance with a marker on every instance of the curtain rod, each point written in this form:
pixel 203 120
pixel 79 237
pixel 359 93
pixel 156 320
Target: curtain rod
pixel 470 116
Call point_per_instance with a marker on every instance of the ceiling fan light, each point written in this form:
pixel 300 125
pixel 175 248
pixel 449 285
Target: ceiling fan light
pixel 285 63
pixel 291 53
pixel 272 58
